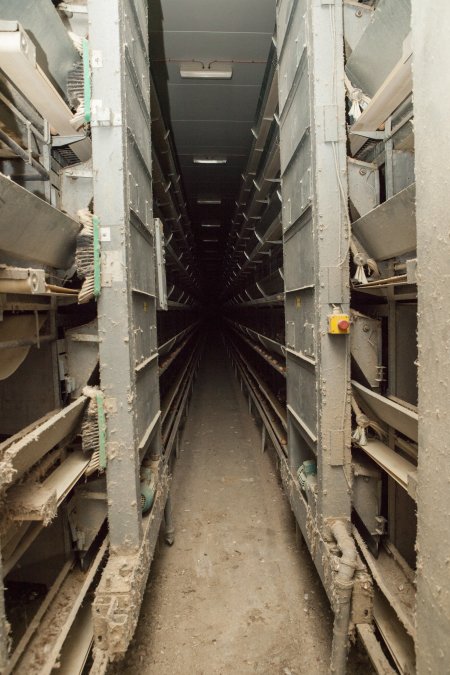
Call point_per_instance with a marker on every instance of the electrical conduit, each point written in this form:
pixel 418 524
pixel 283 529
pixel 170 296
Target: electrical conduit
pixel 343 587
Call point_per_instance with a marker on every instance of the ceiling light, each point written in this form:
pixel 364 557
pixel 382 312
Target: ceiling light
pixel 210 160
pixel 212 71
pixel 211 241
pixel 209 202
pixel 211 225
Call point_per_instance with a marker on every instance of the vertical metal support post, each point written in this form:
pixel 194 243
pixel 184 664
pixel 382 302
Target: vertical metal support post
pixel 54 348
pixel 431 88
pixel 169 528
pixel 114 307
pixel 47 160
pixel 331 242
pixel 122 166
pixel 389 159
pixel 3 625
pixel 316 242
pixel 121 124
pixel 392 346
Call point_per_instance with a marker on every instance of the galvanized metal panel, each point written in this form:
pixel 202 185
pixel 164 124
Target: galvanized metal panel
pixel 147 401
pixel 356 19
pixel 390 229
pixel 380 48
pixel 27 222
pixel 302 395
pixel 295 118
pixel 363 187
pixel 395 415
pixel 299 246
pixel 139 12
pixel 297 185
pixel 300 310
pixel 290 58
pixel 285 10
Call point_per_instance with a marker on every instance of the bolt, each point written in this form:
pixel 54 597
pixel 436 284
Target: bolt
pixel 362 172
pixel 358 13
pixel 366 328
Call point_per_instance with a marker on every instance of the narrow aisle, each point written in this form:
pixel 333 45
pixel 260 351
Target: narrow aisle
pixel 234 594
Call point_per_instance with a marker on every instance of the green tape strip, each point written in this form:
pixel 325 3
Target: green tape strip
pixel 97 257
pixel 87 81
pixel 101 431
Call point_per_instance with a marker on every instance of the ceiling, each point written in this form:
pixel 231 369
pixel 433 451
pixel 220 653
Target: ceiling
pixel 211 117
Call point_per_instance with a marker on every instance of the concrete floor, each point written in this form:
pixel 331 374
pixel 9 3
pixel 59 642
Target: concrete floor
pixel 234 594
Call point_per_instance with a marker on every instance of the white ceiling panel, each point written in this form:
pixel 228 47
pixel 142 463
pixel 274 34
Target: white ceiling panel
pixel 217 134
pixel 188 46
pixel 212 102
pixel 185 151
pixel 231 16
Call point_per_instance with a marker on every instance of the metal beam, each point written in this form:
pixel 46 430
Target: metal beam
pixel 431 83
pixel 123 202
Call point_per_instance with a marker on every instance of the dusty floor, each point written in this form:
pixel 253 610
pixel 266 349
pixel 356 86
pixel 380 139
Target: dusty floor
pixel 234 594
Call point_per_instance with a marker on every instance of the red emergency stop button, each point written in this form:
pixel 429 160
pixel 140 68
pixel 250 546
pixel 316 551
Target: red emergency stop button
pixel 338 324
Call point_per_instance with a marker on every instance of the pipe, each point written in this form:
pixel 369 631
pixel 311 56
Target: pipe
pixel 31 342
pixel 169 532
pixel 15 147
pixel 343 588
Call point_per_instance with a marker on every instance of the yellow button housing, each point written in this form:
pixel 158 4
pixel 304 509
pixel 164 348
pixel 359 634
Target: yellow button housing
pixel 339 324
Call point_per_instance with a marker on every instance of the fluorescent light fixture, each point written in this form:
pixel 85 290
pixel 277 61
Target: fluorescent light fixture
pixel 212 71
pixel 211 241
pixel 209 202
pixel 211 225
pixel 210 160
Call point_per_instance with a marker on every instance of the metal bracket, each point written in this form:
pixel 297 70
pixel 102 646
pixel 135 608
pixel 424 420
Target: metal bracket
pixel 104 116
pixel 60 141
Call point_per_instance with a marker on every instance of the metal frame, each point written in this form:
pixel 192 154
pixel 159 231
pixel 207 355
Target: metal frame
pixel 121 125
pixel 315 230
pixel 316 233
pixel 431 83
pixel 122 200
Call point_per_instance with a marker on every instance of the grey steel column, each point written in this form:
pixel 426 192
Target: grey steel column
pixel 3 625
pixel 121 124
pixel 331 241
pixel 316 238
pixel 114 307
pixel 431 48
